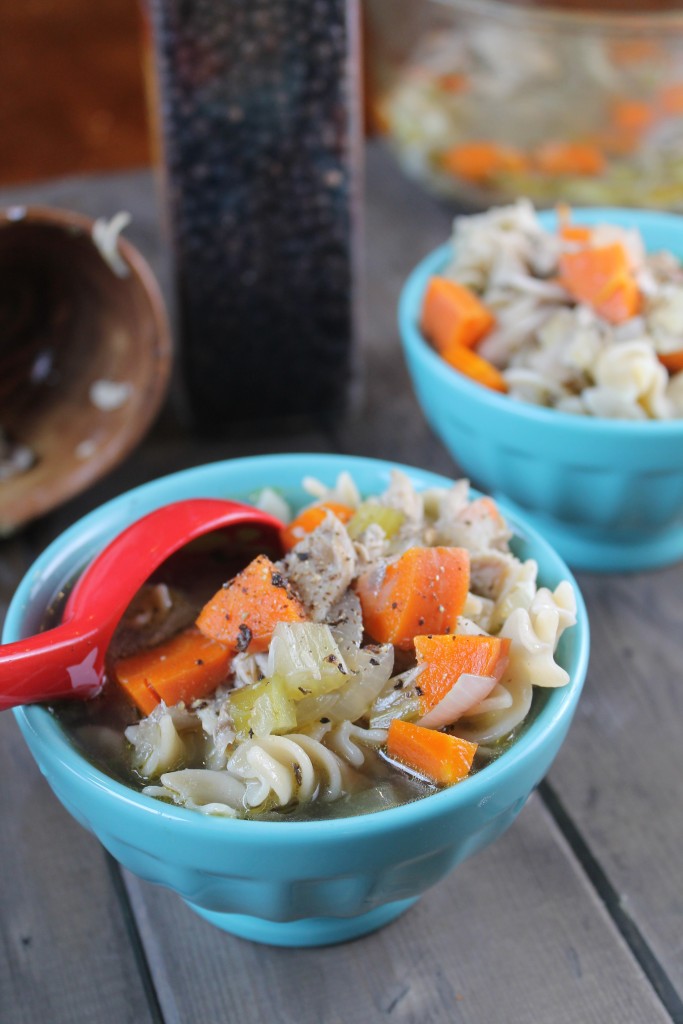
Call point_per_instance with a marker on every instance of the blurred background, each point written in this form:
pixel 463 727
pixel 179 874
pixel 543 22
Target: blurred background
pixel 72 96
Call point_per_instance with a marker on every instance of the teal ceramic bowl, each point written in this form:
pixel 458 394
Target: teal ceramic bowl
pixel 607 494
pixel 288 883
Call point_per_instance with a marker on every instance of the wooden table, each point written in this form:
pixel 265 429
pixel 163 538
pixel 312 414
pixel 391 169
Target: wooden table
pixel 575 916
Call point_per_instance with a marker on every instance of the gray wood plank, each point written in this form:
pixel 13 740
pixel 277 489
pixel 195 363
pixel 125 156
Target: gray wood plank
pixel 620 775
pixel 513 935
pixel 65 953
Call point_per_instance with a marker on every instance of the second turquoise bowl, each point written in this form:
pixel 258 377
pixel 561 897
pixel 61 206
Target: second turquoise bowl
pixel 607 494
pixel 289 883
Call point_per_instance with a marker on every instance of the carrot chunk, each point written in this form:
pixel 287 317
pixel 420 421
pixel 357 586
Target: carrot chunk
pixel 583 158
pixel 187 667
pixel 672 360
pixel 453 315
pixel 622 300
pixel 309 518
pixel 244 612
pixel 602 278
pixel 632 115
pixel 475 366
pixel 671 98
pixel 424 591
pixel 443 758
pixel 576 233
pixel 480 161
pixel 446 658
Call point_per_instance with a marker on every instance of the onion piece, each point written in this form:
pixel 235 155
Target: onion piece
pixel 466 693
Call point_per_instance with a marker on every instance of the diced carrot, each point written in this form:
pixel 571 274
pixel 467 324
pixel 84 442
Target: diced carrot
pixel 632 116
pixel 602 278
pixel 453 315
pixel 621 302
pixel 424 591
pixel 569 158
pixel 309 518
pixel 631 50
pixel 446 658
pixel 244 612
pixel 452 82
pixel 475 366
pixel 480 161
pixel 443 758
pixel 187 667
pixel 576 233
pixel 671 99
pixel 672 360
pixel 571 232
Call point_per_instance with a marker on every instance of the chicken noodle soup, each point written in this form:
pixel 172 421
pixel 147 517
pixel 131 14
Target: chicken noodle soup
pixel 580 319
pixel 394 648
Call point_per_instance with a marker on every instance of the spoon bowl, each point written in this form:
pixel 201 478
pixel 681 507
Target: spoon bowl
pixel 68 660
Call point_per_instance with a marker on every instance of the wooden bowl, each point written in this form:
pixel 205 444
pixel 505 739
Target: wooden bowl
pixel 85 357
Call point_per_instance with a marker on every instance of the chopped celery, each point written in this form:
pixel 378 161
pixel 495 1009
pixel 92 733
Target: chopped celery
pixel 372 514
pixel 372 667
pixel 398 702
pixel 262 708
pixel 306 658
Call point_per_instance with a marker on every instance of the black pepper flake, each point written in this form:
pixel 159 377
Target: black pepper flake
pixel 199 661
pixel 278 580
pixel 394 604
pixel 251 734
pixel 303 689
pixel 374 661
pixel 324 721
pixel 419 691
pixel 398 685
pixel 244 636
pixel 303 556
pixel 331 658
pixel 421 621
pixel 297 773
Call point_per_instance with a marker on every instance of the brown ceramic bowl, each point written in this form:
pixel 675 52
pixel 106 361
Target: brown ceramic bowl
pixel 85 356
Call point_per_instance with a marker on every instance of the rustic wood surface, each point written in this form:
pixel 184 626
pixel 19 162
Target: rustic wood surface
pixel 574 916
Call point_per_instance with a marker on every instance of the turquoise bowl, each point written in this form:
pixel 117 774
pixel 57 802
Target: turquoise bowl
pixel 607 494
pixel 288 883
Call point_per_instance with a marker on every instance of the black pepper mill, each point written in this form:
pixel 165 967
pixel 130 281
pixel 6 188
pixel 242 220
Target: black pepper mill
pixel 260 123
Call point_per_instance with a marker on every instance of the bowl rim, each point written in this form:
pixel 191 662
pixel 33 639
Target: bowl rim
pixel 582 20
pixel 36 723
pixel 415 343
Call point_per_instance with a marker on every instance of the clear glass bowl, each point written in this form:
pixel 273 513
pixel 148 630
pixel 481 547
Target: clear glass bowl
pixel 486 100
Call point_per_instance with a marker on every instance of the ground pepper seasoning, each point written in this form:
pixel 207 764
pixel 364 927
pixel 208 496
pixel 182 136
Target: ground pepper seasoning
pixel 260 127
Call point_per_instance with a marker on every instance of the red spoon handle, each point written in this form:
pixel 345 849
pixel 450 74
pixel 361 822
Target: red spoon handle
pixel 68 661
pixel 62 662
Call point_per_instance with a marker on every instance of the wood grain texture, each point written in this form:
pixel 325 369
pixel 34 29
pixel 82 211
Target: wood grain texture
pixel 511 936
pixel 619 776
pixel 65 954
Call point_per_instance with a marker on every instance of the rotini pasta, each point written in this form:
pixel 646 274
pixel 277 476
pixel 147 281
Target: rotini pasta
pixel 555 345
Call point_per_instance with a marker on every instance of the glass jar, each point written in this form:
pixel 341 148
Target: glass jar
pixel 486 100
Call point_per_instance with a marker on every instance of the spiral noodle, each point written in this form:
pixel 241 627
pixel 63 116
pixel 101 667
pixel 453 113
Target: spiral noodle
pixel 283 769
pixel 350 742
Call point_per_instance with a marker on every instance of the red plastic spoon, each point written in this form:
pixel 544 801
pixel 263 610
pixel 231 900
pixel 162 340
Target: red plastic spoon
pixel 68 661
